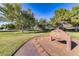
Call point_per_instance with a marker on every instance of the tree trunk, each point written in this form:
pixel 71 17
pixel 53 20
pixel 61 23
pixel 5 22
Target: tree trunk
pixel 22 29
pixel 76 28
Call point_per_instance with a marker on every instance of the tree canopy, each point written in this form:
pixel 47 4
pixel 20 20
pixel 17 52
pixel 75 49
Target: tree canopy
pixel 70 16
pixel 23 18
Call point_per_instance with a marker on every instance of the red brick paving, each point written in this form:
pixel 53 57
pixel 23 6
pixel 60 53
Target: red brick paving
pixel 43 46
pixel 27 50
pixel 31 48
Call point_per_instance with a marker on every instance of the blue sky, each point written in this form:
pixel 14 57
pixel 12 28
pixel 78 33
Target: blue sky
pixel 46 10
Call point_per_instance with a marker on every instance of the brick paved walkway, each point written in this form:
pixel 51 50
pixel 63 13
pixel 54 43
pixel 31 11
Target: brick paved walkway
pixel 42 46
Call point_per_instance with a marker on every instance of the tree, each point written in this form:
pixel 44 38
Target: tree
pixel 31 18
pixel 75 10
pixel 9 26
pixel 14 12
pixel 11 12
pixel 75 17
pixel 75 22
pixel 60 15
pixel 42 24
pixel 28 20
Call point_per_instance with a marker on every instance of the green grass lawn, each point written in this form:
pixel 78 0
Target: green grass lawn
pixel 10 41
pixel 74 34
